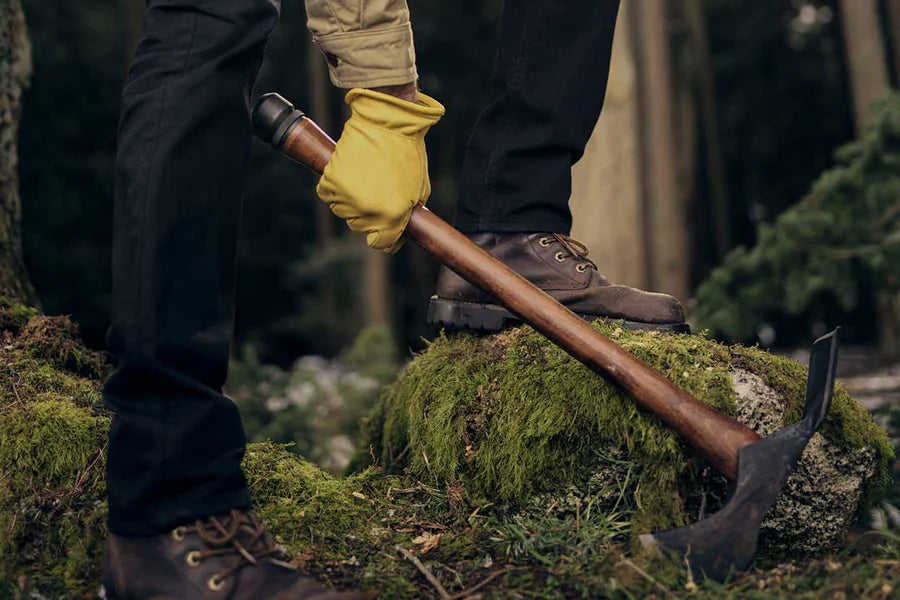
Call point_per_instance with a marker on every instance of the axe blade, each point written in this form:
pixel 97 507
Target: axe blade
pixel 725 542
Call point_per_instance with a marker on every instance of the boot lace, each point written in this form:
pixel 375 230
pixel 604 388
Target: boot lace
pixel 238 533
pixel 573 247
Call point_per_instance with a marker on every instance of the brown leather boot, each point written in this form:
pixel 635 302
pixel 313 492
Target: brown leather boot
pixel 230 557
pixel 558 265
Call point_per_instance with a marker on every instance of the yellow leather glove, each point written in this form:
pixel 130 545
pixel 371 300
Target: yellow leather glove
pixel 379 170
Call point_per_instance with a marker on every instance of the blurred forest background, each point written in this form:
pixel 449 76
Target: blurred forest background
pixel 720 114
pixel 719 117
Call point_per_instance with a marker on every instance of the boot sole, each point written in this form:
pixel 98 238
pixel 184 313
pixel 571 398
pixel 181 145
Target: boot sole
pixel 457 315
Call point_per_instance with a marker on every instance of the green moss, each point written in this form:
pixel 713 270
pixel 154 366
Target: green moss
pixel 331 523
pixel 512 415
pixel 52 439
pixel 26 377
pixel 56 340
pixel 287 490
pixel 42 357
pixel 52 505
pixel 568 542
pixel 14 315
pixel 49 440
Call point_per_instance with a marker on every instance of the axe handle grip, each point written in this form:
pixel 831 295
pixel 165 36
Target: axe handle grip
pixel 717 437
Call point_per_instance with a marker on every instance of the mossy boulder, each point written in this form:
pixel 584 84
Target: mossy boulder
pixel 514 420
pixel 362 529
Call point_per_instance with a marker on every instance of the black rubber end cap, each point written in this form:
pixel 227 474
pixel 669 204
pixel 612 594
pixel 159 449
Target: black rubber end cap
pixel 271 114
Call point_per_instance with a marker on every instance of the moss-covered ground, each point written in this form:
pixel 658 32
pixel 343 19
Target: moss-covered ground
pixel 432 529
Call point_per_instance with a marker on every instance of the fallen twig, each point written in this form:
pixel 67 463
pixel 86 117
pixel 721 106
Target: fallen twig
pixel 395 460
pixel 646 576
pixel 16 392
pixel 425 571
pixel 468 592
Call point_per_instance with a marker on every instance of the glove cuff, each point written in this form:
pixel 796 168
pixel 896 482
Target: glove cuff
pixel 393 113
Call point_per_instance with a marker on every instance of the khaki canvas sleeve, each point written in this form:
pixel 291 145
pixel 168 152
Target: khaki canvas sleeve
pixel 367 43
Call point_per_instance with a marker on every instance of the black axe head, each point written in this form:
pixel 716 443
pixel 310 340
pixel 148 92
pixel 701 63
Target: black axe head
pixel 725 542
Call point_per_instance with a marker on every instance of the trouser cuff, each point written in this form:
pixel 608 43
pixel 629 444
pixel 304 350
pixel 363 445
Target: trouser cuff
pixel 120 525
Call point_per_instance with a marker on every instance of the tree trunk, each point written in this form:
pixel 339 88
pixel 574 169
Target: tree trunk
pixel 866 55
pixel 606 183
pixel 666 211
pixel 887 306
pixel 320 105
pixel 893 13
pixel 709 120
pixel 685 135
pixel 376 288
pixel 15 72
pixel 132 23
pixel 867 63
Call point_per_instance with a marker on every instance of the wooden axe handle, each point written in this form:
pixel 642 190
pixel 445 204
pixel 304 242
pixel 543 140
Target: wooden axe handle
pixel 717 437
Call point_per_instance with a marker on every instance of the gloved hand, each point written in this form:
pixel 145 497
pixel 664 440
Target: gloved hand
pixel 379 170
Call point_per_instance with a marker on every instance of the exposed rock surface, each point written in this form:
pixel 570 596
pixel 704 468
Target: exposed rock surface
pixel 822 497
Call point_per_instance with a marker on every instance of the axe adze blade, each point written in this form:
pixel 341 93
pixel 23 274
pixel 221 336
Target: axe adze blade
pixel 725 542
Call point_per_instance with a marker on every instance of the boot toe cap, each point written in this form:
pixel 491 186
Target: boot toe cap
pixel 631 304
pixel 666 309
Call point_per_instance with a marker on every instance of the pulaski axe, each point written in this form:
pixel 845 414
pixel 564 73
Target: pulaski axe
pixel 714 547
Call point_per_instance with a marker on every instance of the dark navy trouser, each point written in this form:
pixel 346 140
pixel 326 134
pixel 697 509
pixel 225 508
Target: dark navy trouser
pixel 547 90
pixel 176 442
pixel 184 139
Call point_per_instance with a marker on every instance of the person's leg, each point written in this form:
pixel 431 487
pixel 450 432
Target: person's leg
pixel 176 442
pixel 178 525
pixel 548 86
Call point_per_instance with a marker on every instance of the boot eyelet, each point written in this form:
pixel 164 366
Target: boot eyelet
pixel 560 257
pixel 178 534
pixel 581 267
pixel 545 241
pixel 192 558
pixel 215 583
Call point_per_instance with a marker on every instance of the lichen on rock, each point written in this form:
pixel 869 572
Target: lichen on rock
pixel 818 504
